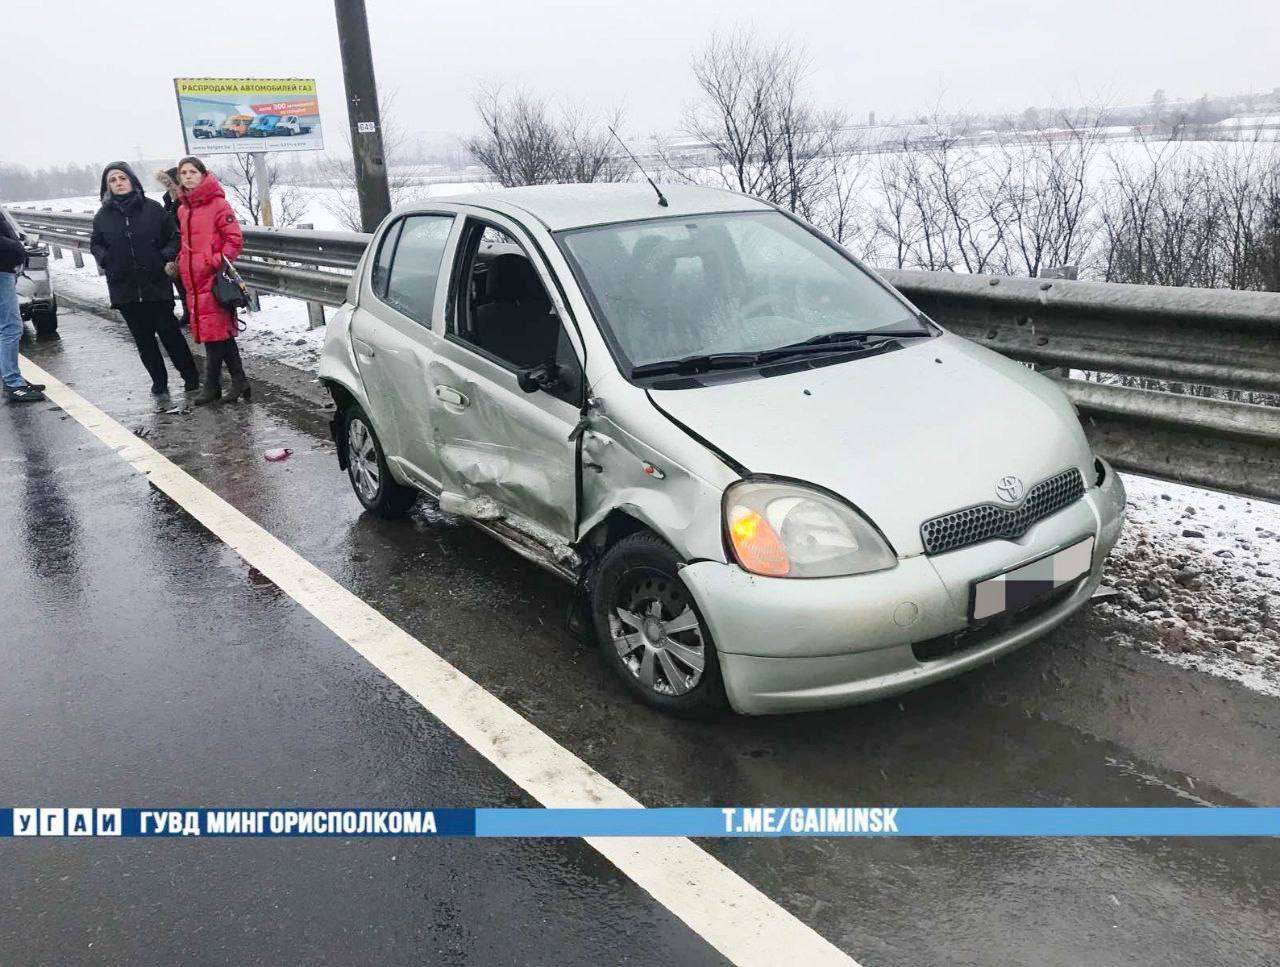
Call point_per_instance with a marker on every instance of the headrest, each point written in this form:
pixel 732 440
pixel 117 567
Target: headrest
pixel 512 279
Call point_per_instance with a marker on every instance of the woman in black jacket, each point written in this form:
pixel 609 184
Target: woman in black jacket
pixel 133 241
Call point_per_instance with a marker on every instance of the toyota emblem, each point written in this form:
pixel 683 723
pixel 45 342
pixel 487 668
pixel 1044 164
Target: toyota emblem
pixel 1010 489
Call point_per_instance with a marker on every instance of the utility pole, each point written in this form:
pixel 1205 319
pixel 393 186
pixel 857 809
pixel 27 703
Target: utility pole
pixel 362 111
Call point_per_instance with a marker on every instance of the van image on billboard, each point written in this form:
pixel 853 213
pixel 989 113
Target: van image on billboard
pixel 207 127
pixel 237 125
pixel 264 126
pixel 291 125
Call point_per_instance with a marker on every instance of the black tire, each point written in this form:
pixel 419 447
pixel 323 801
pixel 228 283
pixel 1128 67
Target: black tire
pixel 380 494
pixel 45 322
pixel 642 570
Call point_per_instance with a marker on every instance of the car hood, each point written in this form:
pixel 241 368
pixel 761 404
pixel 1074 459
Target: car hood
pixel 904 436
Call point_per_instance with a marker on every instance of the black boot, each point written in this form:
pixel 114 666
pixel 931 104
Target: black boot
pixel 211 392
pixel 239 385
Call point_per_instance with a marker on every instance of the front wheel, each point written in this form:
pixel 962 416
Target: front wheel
pixel 367 468
pixel 650 630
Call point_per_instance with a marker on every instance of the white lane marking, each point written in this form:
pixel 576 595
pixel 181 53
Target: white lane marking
pixel 723 908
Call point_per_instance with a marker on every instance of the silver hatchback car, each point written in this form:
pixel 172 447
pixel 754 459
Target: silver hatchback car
pixel 771 478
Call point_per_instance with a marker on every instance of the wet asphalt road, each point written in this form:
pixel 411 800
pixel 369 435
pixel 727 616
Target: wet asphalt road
pixel 144 663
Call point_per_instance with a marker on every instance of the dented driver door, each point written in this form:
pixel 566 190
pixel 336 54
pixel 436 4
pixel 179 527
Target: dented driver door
pixel 504 450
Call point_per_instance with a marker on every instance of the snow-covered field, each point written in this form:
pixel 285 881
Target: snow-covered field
pixel 1197 573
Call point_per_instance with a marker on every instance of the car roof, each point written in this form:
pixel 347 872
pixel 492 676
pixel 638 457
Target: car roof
pixel 561 207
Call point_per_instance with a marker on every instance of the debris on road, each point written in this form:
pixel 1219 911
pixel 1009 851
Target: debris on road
pixel 278 454
pixel 1202 598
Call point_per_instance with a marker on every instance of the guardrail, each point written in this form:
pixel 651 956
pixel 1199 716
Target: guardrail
pixel 1201 337
pixel 283 261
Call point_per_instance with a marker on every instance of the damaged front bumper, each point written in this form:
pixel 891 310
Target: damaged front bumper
pixel 798 645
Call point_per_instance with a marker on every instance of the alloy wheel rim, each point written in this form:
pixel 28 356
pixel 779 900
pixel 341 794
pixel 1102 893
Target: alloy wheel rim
pixel 657 634
pixel 362 457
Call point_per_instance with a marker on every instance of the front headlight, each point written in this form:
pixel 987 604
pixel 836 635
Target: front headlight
pixel 778 529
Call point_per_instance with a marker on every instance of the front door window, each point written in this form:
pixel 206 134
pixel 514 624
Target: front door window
pixel 503 309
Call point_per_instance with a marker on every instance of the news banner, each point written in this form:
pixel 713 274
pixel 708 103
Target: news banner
pixel 774 821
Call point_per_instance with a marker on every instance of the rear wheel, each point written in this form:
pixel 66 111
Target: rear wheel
pixel 650 630
pixel 367 468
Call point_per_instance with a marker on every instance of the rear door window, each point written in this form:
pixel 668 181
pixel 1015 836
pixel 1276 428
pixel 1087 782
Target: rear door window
pixel 415 266
pixel 382 265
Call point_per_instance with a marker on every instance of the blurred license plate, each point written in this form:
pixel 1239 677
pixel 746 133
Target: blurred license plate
pixel 37 262
pixel 1014 590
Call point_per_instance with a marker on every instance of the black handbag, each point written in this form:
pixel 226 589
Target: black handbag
pixel 13 254
pixel 229 290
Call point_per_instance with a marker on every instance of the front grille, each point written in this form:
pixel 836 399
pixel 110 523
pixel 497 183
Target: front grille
pixel 980 633
pixel 986 522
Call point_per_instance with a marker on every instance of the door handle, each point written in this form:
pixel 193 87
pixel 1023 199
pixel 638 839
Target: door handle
pixel 364 349
pixel 447 394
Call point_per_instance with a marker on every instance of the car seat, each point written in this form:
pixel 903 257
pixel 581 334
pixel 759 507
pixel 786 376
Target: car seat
pixel 518 325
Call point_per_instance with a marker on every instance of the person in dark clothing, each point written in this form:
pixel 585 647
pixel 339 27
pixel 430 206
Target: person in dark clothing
pixel 133 240
pixel 168 180
pixel 13 259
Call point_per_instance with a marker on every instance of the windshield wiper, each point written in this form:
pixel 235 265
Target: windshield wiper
pixel 700 363
pixel 860 335
pixel 838 341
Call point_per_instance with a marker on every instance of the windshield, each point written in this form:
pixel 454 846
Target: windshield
pixel 737 283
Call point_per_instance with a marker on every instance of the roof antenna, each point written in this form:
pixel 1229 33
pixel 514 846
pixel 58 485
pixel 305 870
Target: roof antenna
pixel 662 199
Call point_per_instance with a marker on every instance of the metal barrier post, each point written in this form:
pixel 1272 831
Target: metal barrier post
pixel 315 310
pixel 77 257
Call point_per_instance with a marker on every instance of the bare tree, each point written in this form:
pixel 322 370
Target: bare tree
pixel 1162 224
pixel 837 205
pixel 288 202
pixel 896 221
pixel 337 173
pixel 1047 189
pixel 765 136
pixel 1265 258
pixel 589 151
pixel 523 143
pixel 519 144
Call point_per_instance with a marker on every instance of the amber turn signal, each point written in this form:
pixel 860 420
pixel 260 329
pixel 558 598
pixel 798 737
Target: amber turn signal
pixel 757 545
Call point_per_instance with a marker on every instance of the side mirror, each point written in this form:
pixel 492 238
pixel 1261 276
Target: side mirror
pixel 544 377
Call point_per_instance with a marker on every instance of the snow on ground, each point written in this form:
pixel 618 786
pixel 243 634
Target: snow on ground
pixel 1198 581
pixel 278 330
pixel 1197 573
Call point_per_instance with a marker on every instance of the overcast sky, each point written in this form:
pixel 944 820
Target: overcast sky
pixel 92 79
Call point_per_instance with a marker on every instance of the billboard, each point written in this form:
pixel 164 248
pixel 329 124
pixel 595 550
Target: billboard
pixel 235 115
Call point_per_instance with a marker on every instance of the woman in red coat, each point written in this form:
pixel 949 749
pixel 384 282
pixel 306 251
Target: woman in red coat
pixel 209 233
